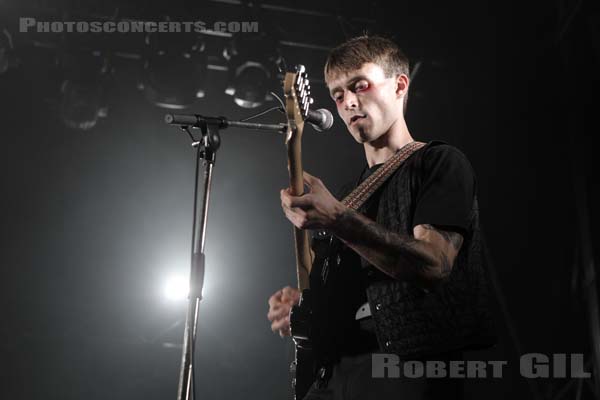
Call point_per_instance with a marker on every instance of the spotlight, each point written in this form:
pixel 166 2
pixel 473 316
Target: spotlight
pixel 252 63
pixel 81 104
pixel 177 288
pixel 174 72
pixel 82 91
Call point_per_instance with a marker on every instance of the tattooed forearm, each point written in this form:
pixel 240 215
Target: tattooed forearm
pixel 446 266
pixel 399 256
pixel 455 239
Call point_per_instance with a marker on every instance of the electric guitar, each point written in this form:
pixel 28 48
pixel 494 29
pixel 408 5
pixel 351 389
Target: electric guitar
pixel 296 89
pixel 298 100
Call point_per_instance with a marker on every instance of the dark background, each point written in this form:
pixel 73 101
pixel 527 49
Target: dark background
pixel 95 221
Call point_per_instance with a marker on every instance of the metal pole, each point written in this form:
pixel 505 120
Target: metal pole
pixel 206 151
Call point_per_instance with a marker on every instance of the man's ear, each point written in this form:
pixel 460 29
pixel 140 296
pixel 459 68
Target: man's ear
pixel 402 82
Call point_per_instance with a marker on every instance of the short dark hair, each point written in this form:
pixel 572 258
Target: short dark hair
pixel 352 54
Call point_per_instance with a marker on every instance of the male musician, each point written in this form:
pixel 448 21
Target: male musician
pixel 404 274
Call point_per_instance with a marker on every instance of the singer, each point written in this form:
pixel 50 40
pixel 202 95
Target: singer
pixel 404 274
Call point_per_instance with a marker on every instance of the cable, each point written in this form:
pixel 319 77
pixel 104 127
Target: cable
pixel 261 113
pixel 281 108
pixel 278 99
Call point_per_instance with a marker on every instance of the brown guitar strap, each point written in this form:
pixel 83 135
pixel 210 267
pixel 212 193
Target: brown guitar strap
pixel 359 195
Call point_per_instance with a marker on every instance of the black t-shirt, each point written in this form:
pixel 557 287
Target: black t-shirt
pixel 446 193
pixel 339 277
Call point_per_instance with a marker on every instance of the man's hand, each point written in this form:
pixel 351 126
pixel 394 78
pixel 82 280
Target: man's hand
pixel 316 209
pixel 280 305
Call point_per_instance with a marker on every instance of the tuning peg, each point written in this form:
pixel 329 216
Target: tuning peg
pixel 302 88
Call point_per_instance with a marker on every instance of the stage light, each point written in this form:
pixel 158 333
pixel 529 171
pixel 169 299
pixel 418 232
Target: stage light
pixel 252 63
pixel 177 288
pixel 81 104
pixel 82 100
pixel 7 57
pixel 174 72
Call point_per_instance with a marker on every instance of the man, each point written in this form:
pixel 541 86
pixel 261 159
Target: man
pixel 404 274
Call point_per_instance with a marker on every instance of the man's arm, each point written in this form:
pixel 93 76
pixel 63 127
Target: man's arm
pixel 425 258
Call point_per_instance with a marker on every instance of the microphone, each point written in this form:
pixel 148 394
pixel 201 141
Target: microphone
pixel 320 119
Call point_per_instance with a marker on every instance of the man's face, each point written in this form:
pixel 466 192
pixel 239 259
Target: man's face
pixel 367 101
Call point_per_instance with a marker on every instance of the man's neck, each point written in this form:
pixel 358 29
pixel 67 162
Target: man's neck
pixel 380 150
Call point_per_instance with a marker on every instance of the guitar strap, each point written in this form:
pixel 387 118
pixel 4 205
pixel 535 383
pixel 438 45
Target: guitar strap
pixel 363 191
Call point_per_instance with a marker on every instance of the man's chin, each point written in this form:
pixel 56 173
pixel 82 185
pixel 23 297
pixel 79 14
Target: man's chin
pixel 364 136
pixel 361 135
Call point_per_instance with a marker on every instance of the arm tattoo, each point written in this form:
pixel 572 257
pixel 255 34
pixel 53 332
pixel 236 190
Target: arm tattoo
pixel 399 256
pixel 446 267
pixel 455 239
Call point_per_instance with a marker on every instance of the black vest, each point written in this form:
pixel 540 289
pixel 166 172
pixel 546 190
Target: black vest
pixel 411 321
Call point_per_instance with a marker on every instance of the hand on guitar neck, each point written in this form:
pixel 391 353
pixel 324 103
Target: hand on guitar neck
pixel 280 305
pixel 316 209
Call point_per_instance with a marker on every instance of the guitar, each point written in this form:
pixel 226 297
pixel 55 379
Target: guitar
pixel 296 89
pixel 297 96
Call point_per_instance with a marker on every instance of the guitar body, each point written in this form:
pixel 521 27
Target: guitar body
pixel 303 368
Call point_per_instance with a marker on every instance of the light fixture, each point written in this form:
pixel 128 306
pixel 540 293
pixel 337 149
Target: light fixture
pixel 82 99
pixel 174 72
pixel 176 288
pixel 252 64
pixel 7 57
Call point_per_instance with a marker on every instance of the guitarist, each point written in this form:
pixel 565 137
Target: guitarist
pixel 405 273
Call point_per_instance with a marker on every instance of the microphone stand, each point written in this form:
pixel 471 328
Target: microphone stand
pixel 206 150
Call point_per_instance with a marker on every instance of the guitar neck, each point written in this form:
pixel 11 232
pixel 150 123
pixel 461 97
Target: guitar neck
pixel 302 245
pixel 296 89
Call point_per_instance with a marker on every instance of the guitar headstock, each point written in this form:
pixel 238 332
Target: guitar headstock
pixel 296 88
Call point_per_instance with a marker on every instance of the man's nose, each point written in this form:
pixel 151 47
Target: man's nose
pixel 350 101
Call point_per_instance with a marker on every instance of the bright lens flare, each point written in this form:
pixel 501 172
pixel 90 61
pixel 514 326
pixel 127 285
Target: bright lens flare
pixel 177 288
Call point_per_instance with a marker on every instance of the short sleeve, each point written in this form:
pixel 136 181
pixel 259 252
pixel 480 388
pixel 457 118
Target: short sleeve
pixel 446 193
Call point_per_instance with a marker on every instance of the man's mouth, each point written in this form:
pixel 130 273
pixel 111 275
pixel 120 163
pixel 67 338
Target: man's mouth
pixel 356 118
